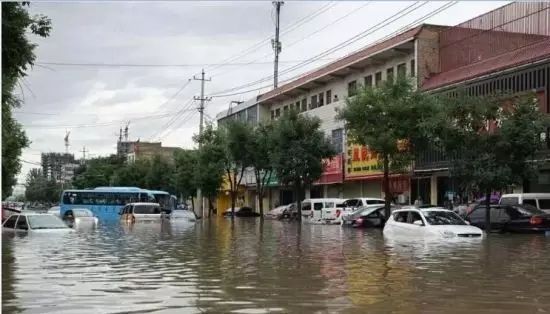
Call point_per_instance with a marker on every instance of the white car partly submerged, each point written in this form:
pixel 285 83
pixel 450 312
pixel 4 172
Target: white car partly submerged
pixel 34 223
pixel 429 223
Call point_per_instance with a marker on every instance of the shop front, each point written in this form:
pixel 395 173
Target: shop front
pixel 330 183
pixel 363 176
pixel 223 201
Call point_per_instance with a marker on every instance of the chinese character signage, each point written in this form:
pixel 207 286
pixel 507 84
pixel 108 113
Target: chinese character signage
pixel 361 163
pixel 332 172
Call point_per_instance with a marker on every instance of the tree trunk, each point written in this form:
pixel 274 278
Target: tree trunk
pixel 298 202
pixel 386 182
pixel 233 201
pixel 488 212
pixel 259 192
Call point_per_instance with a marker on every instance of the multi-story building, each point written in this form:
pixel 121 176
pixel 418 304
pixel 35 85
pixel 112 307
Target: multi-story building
pixel 507 49
pixel 67 172
pixel 52 164
pixel 147 150
pixel 511 52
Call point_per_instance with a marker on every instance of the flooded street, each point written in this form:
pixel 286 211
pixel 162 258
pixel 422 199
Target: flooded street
pixel 214 267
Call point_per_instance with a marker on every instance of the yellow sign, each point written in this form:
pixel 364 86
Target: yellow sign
pixel 361 162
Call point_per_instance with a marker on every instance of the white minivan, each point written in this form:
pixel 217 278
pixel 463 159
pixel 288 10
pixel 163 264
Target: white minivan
pixel 140 212
pixel 539 200
pixel 324 209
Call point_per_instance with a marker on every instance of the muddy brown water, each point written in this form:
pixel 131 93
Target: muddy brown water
pixel 215 266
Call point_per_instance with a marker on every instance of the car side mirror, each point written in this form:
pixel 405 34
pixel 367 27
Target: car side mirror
pixel 467 222
pixel 418 223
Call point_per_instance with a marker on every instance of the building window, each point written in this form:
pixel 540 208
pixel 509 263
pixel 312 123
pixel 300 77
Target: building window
pixel 389 74
pixel 368 81
pixel 297 106
pixel 337 140
pixel 277 112
pixel 377 78
pixel 252 114
pixel 352 88
pixel 272 114
pixel 285 109
pixel 313 102
pixel 329 96
pixel 321 99
pixel 304 105
pixel 402 69
pixel 413 68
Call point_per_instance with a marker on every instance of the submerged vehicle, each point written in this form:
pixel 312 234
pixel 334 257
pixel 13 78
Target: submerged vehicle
pixel 104 202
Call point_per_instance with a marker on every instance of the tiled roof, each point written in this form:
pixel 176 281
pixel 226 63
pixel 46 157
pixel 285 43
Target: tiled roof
pixel 524 55
pixel 346 61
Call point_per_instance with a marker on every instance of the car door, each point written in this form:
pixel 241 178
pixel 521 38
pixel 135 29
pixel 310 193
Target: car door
pixel 374 219
pixel 306 208
pixel 21 225
pixel 414 229
pixel 9 224
pixel 499 218
pixel 477 216
pixel 399 226
pixel 318 209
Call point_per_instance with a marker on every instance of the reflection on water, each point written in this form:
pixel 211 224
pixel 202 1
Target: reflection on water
pixel 271 267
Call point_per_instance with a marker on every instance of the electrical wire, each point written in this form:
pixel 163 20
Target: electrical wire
pixel 186 107
pixel 260 44
pixel 184 120
pixel 302 38
pixel 139 65
pixel 92 125
pixel 355 38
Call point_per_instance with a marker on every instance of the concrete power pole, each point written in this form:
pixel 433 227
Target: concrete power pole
pixel 202 100
pixel 276 44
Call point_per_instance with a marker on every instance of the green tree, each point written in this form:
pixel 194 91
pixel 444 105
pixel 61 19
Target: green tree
pixel 261 148
pixel 390 120
pixel 226 148
pixel 493 141
pixel 132 174
pixel 185 176
pixel 35 185
pixel 160 175
pixel 99 171
pixel 17 56
pixel 300 146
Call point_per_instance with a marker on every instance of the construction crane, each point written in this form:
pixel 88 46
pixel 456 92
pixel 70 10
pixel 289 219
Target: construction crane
pixel 126 131
pixel 67 133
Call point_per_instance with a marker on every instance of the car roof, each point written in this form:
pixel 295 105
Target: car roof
pixel 32 214
pixel 144 203
pixel 430 209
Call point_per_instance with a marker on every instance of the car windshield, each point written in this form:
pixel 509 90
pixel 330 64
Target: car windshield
pixel 45 222
pixel 434 217
pixel 82 213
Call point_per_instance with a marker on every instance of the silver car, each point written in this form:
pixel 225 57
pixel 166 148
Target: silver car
pixel 33 223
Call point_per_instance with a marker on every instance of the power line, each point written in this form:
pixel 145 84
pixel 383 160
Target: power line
pixel 264 41
pixel 343 44
pixel 143 65
pixel 303 38
pixel 185 107
pixel 357 37
pixel 90 125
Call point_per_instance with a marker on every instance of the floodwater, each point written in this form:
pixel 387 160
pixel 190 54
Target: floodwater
pixel 274 267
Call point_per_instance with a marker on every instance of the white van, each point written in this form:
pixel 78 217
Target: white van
pixel 322 208
pixel 539 200
pixel 140 212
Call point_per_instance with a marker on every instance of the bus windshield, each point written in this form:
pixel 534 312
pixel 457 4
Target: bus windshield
pixel 163 200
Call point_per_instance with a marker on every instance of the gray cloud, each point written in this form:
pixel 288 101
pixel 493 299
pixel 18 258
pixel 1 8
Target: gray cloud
pixel 191 33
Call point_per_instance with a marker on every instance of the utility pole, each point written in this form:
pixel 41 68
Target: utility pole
pixel 275 43
pixel 202 99
pixel 84 151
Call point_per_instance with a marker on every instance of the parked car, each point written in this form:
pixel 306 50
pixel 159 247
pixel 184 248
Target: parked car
pixel 244 211
pixel 141 212
pixel 179 215
pixel 370 216
pixel 511 218
pixel 80 217
pixel 429 223
pixel 34 222
pixel 277 212
pixel 353 204
pixel 538 200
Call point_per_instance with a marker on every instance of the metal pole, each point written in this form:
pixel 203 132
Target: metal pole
pixel 276 43
pixel 200 200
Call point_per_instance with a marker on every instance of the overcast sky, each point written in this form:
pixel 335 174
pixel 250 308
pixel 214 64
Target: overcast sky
pixel 93 100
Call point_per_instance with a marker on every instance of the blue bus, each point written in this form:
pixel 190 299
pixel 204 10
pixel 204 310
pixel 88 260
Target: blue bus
pixel 104 202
